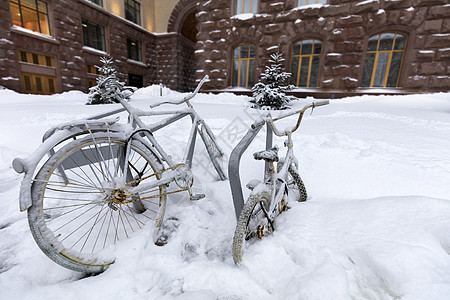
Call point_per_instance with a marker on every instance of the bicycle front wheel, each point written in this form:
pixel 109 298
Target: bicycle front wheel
pixel 253 223
pixel 295 184
pixel 83 204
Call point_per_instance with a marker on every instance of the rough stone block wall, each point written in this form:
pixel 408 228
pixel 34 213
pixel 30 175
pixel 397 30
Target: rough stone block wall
pixel 160 53
pixel 343 25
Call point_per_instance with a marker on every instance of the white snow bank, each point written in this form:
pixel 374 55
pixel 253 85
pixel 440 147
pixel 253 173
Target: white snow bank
pixel 375 226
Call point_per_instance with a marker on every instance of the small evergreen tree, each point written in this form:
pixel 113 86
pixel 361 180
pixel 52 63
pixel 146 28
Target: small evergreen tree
pixel 272 94
pixel 108 89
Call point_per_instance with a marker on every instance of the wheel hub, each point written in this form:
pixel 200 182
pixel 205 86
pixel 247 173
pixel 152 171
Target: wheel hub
pixel 118 196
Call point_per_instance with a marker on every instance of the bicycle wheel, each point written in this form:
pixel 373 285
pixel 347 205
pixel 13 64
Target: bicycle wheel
pixel 81 203
pixel 296 185
pixel 251 224
pixel 214 153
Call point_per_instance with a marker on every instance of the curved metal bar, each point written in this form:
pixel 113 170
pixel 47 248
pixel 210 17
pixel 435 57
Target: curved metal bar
pixel 233 168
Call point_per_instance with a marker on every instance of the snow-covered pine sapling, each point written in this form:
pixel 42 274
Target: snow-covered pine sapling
pixel 108 89
pixel 271 93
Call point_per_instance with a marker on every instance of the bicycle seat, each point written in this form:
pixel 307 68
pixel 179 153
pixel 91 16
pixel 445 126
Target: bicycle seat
pixel 268 155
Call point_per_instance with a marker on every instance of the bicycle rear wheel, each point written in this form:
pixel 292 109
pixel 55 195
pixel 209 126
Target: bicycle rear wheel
pixel 82 204
pixel 249 226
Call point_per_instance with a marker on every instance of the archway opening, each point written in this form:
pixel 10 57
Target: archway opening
pixel 189 27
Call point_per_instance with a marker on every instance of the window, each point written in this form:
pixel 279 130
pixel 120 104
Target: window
pixel 384 59
pixel 308 2
pixel 135 80
pixel 246 6
pixel 134 49
pixel 305 62
pixel 37 59
pixel 98 2
pixel 93 35
pixel 92 73
pixel 133 11
pixel 38 84
pixel 91 69
pixel 30 14
pixel 243 72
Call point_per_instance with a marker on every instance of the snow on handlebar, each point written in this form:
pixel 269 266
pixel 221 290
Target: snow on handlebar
pixel 186 98
pixel 268 117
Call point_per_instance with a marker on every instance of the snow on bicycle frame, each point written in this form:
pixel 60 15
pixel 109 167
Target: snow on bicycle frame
pixel 64 132
pixel 241 147
pixel 103 181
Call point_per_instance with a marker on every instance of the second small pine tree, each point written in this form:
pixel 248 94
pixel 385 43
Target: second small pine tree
pixel 108 89
pixel 272 93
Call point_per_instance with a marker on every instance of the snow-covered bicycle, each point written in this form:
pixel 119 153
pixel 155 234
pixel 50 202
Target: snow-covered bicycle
pixel 282 183
pixel 105 180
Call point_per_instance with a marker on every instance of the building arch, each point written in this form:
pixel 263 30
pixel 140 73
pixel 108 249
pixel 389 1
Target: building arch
pixel 183 22
pixel 180 13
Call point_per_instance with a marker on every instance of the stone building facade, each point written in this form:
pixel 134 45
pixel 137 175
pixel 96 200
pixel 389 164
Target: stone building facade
pixel 343 26
pixel 70 63
pixel 201 37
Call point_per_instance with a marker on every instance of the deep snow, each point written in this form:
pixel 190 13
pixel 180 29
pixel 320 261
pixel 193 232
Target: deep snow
pixel 376 224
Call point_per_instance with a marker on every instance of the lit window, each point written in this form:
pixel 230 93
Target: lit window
pixel 308 2
pixel 384 59
pixel 93 35
pixel 134 49
pixel 246 6
pixel 38 84
pixel 30 14
pixel 37 59
pixel 305 62
pixel 243 73
pixel 133 11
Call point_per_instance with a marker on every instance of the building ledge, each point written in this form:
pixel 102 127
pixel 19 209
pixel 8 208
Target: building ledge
pixel 94 51
pixel 34 34
pixel 136 62
pixel 322 93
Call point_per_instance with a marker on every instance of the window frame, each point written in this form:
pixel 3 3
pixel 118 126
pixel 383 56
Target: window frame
pixel 97 2
pixel 135 7
pixel 311 57
pixel 138 47
pixel 89 42
pixel 390 53
pixel 253 7
pixel 35 10
pixel 248 59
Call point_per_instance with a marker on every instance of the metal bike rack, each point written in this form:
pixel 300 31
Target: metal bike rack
pixel 235 159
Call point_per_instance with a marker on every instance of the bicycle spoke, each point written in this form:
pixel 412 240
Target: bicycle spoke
pixel 92 227
pixel 73 219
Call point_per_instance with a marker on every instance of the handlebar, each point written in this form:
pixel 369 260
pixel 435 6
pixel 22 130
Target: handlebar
pixel 269 120
pixel 176 102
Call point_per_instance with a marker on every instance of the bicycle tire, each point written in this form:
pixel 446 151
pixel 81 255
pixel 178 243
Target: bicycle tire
pixel 297 180
pixel 213 152
pixel 68 218
pixel 241 234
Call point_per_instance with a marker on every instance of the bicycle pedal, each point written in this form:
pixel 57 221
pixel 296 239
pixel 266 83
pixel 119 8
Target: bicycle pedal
pixel 195 197
pixel 252 184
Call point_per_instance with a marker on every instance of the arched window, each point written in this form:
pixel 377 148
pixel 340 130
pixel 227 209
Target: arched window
pixel 243 73
pixel 246 6
pixel 384 59
pixel 305 62
pixel 308 2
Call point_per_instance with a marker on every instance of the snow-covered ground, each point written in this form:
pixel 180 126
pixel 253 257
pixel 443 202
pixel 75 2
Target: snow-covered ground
pixel 376 224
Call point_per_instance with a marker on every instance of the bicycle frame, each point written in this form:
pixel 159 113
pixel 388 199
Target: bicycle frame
pixel 241 147
pixel 101 123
